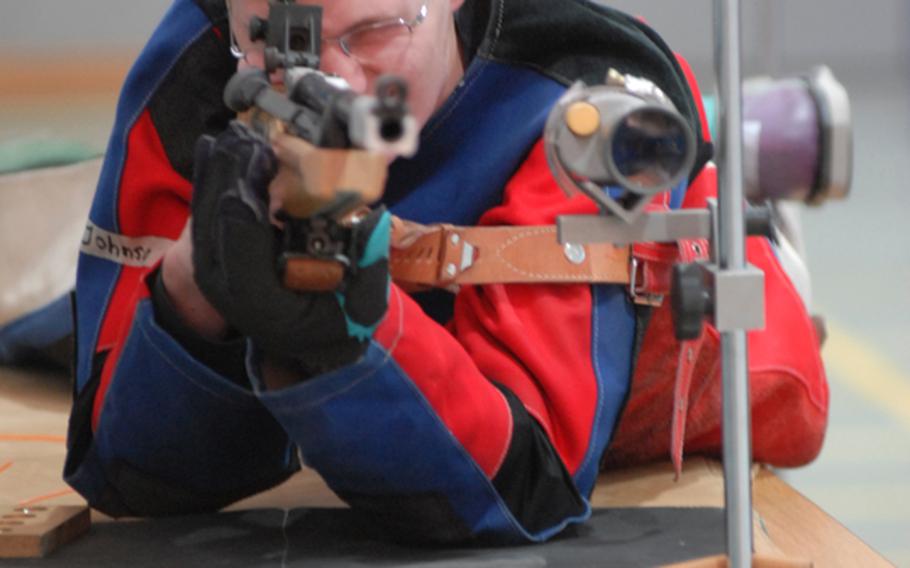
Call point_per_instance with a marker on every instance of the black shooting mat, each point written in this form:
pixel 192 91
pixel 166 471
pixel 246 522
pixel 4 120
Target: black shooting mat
pixel 339 537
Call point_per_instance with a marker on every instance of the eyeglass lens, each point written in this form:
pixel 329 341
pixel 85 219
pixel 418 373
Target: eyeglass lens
pixel 385 43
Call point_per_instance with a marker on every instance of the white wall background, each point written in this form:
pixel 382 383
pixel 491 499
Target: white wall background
pixel 50 25
pixel 786 33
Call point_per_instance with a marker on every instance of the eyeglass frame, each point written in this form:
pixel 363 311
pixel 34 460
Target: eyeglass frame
pixel 342 39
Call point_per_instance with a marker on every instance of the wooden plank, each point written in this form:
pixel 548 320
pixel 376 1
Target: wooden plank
pixel 787 524
pixel 655 485
pixel 699 485
pixel 758 561
pixel 32 532
pixel 801 529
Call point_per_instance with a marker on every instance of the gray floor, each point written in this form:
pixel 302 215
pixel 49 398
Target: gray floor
pixel 859 254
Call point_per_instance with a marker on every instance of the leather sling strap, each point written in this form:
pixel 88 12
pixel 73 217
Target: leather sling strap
pixel 426 256
pixel 448 256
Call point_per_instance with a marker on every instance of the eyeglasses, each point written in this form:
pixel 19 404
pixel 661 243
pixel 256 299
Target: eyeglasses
pixel 373 43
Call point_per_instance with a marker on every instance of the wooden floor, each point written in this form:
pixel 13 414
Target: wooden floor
pixel 34 407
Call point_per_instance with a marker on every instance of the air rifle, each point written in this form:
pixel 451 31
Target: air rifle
pixel 333 143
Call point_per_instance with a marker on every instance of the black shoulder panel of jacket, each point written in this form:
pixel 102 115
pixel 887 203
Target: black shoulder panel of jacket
pixel 581 40
pixel 216 10
pixel 188 103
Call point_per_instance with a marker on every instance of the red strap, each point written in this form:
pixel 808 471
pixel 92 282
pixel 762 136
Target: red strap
pixel 685 365
pixel 654 267
pixel 689 250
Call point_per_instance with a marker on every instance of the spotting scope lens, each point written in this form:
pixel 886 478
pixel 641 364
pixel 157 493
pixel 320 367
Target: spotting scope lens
pixel 649 148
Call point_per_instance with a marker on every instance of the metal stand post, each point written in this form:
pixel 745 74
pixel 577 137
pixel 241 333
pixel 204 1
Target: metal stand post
pixel 731 256
pixel 735 289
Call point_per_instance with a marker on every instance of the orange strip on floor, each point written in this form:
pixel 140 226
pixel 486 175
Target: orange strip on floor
pixel 46 497
pixel 32 438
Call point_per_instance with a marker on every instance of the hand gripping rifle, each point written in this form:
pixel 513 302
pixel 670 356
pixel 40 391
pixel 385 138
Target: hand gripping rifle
pixel 334 144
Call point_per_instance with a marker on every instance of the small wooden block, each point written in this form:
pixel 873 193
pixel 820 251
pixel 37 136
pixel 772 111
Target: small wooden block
pixel 31 532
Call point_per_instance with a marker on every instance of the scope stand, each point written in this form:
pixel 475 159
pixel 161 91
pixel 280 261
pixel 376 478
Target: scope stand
pixel 731 299
pixel 735 290
pixel 731 252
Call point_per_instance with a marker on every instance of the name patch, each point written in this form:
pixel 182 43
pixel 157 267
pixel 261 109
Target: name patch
pixel 131 251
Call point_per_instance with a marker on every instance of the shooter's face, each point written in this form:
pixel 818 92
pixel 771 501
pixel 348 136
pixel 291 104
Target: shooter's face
pixel 364 39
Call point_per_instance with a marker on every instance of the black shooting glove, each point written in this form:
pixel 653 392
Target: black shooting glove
pixel 235 250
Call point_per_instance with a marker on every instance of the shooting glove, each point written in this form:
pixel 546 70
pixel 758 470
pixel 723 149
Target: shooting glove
pixel 235 247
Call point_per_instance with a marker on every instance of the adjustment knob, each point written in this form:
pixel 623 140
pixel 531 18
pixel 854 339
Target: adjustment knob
pixel 759 221
pixel 259 28
pixel 689 300
pixel 582 118
pixel 274 59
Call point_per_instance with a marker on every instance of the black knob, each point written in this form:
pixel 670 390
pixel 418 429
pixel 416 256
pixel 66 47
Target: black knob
pixel 242 89
pixel 759 221
pixel 274 59
pixel 259 28
pixel 689 300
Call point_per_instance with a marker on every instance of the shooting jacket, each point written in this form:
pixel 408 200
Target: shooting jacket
pixel 481 414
